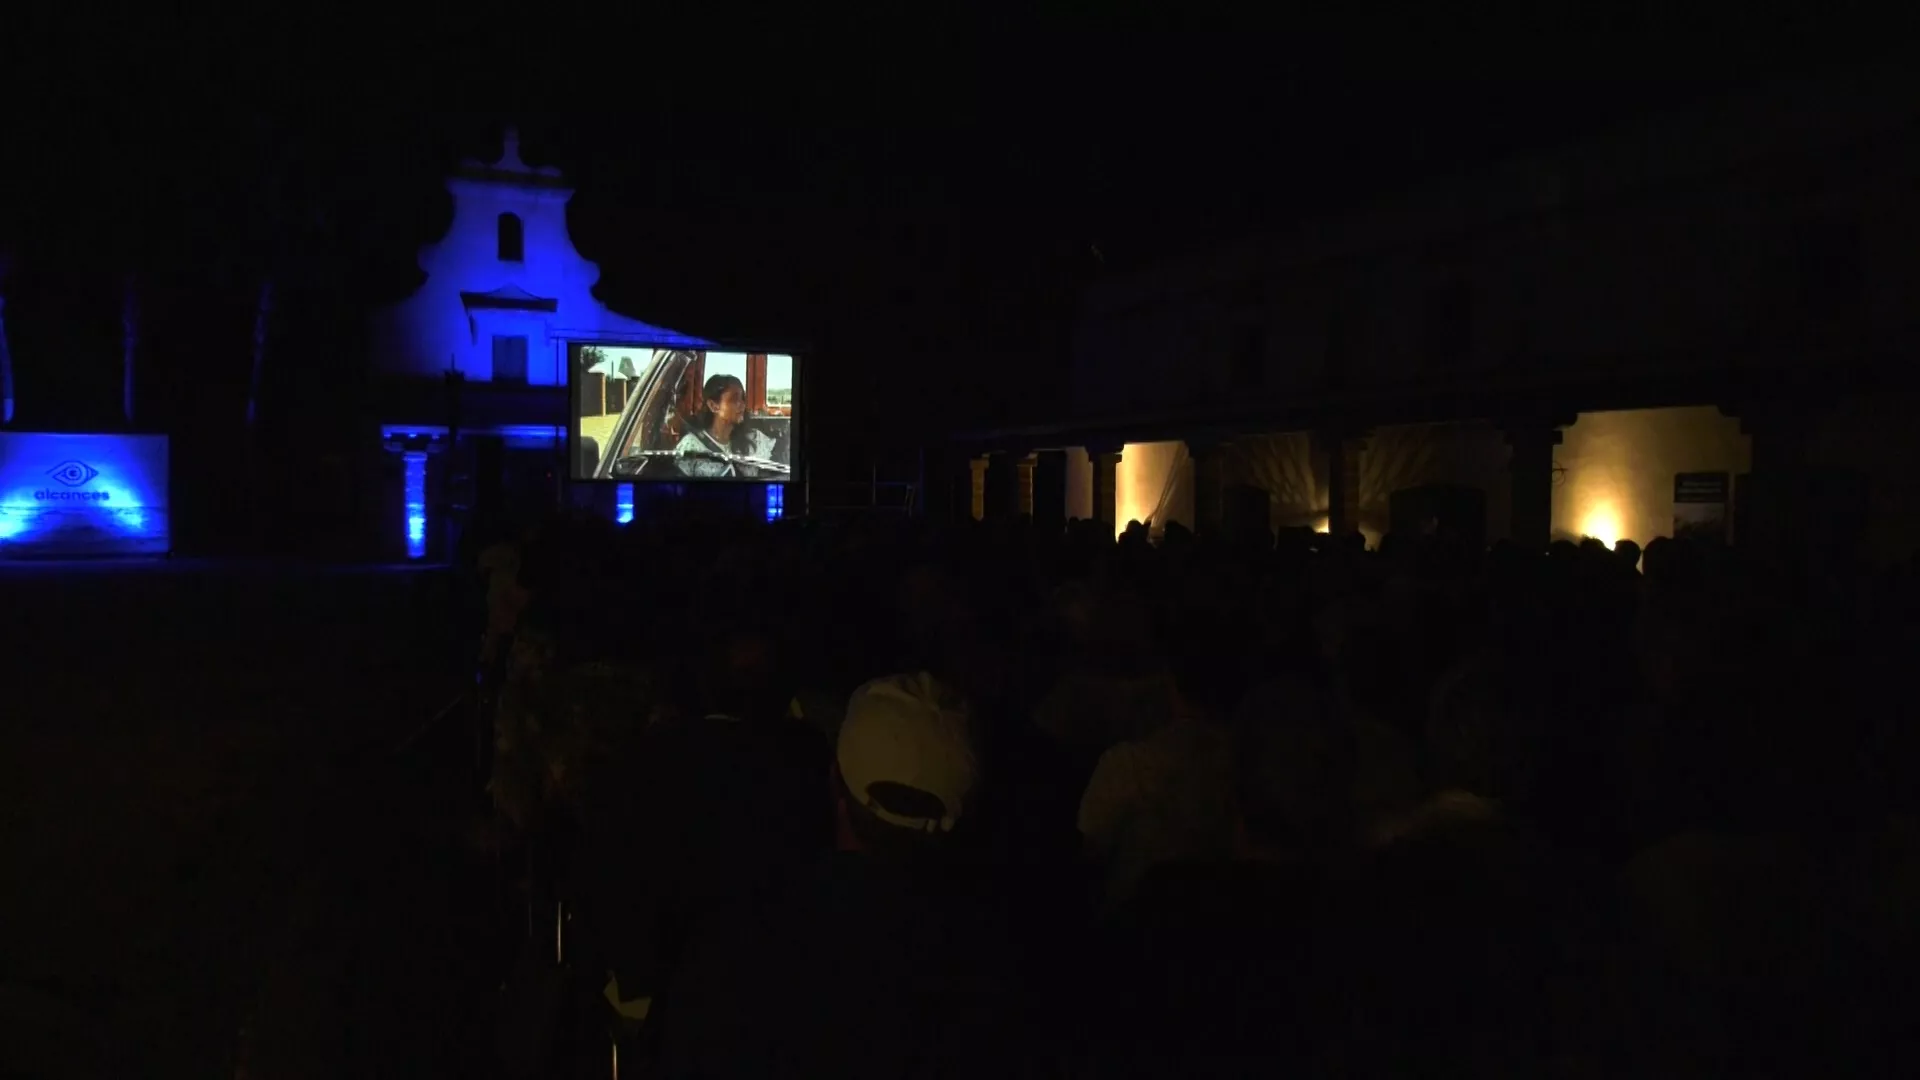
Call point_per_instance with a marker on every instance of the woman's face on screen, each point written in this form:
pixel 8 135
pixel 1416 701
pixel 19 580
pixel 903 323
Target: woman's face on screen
pixel 730 406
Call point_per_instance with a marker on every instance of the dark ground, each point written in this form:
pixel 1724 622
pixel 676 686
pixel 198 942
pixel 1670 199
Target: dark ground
pixel 211 861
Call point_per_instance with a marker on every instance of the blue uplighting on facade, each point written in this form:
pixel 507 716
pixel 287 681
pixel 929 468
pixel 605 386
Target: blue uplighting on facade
pixel 776 501
pixel 64 495
pixel 623 504
pixel 532 294
pixel 416 503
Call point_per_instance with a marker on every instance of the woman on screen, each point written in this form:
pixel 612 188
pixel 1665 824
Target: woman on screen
pixel 718 428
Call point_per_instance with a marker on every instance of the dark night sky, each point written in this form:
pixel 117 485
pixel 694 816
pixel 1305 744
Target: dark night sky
pixel 930 193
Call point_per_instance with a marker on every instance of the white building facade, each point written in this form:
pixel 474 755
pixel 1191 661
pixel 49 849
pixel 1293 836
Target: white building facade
pixel 470 371
pixel 505 288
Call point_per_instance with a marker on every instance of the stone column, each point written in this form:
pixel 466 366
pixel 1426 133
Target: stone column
pixel 1106 480
pixel 1341 448
pixel 1778 432
pixel 489 475
pixel 961 469
pixel 1771 514
pixel 1530 469
pixel 1003 486
pixel 1050 490
pixel 1209 483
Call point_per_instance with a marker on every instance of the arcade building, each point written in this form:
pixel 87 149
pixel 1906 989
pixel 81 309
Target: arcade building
pixel 1702 326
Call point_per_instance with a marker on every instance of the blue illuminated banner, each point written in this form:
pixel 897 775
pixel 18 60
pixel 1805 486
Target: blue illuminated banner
pixel 78 495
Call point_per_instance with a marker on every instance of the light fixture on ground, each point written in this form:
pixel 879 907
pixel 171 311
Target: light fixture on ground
pixel 416 503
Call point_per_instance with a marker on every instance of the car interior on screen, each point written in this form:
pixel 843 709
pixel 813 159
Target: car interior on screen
pixel 676 414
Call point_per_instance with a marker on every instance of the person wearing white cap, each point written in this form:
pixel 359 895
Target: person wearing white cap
pixel 905 764
pixel 887 956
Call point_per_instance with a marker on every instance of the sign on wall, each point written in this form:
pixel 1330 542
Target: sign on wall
pixel 64 496
pixel 1700 506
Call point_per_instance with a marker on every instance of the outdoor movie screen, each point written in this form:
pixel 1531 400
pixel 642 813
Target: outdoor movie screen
pixel 675 414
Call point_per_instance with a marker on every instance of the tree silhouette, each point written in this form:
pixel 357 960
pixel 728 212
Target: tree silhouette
pixel 6 358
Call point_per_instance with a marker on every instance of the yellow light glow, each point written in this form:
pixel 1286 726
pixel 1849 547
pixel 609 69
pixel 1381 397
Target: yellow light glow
pixel 1602 522
pixel 1140 479
pixel 1323 525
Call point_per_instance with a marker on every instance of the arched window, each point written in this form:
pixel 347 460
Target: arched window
pixel 513 239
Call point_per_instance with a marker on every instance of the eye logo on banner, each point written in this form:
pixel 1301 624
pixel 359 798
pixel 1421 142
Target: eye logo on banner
pixel 73 473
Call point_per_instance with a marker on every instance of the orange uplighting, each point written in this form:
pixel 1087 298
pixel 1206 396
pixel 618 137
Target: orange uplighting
pixel 1616 469
pixel 1145 472
pixel 1602 522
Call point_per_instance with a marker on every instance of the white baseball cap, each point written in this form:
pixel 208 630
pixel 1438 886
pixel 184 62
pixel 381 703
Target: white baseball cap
pixel 909 731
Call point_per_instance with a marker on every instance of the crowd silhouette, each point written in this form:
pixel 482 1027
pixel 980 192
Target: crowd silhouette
pixel 883 798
